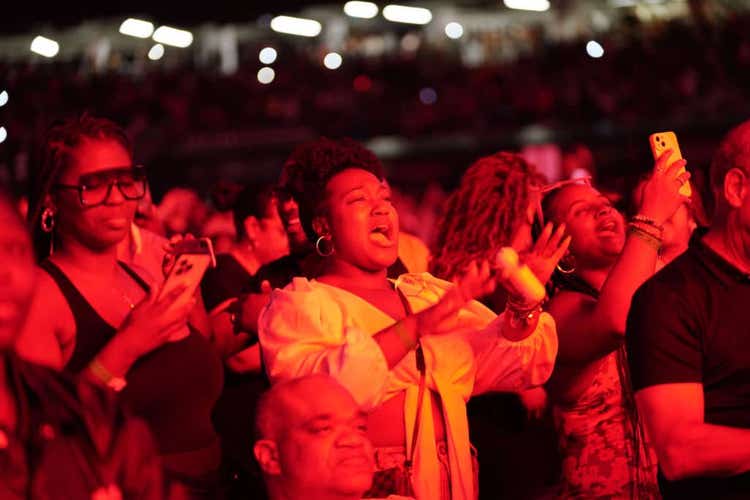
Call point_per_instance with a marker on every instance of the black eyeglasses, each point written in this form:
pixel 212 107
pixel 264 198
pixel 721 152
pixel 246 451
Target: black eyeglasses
pixel 94 188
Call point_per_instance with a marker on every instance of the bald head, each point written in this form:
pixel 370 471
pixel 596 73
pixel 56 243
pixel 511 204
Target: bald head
pixel 291 400
pixel 312 441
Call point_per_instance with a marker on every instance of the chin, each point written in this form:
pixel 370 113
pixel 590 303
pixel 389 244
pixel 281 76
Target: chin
pixel 355 482
pixel 384 263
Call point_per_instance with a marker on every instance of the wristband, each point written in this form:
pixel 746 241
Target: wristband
pixel 522 318
pixel 105 376
pixel 648 221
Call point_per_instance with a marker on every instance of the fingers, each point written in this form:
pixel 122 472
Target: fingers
pixel 558 254
pixel 172 296
pixel 541 242
pixel 661 163
pixel 683 178
pixel 554 242
pixel 265 287
pixel 673 169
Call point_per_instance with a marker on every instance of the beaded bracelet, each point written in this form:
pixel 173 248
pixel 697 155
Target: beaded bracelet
pixel 649 238
pixel 650 230
pixel 648 221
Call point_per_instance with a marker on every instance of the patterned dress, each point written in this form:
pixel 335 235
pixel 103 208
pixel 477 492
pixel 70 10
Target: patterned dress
pixel 597 443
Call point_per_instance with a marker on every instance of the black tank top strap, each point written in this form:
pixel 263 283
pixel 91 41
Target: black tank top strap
pixel 92 332
pixel 76 301
pixel 141 282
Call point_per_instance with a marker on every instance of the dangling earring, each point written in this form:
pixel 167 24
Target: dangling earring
pixel 48 220
pixel 571 263
pixel 48 226
pixel 321 252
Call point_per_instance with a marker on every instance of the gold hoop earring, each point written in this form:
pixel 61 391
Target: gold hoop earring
pixel 569 270
pixel 318 249
pixel 48 220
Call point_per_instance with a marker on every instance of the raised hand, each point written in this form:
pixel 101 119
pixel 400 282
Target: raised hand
pixel 661 196
pixel 478 281
pixel 547 251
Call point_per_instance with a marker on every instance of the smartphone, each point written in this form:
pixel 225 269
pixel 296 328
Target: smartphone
pixel 192 258
pixel 668 140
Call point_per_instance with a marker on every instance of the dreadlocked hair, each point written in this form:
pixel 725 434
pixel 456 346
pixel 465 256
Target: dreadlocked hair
pixel 54 155
pixel 310 167
pixel 485 211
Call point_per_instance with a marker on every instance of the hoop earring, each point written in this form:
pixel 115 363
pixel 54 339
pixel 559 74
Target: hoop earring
pixel 566 271
pixel 318 249
pixel 48 220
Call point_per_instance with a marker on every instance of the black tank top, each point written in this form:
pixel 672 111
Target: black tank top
pixel 173 388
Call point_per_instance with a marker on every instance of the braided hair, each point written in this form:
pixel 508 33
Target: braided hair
pixel 310 167
pixel 55 154
pixel 484 213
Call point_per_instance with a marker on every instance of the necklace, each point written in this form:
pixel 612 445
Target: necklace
pixel 125 296
pixel 127 300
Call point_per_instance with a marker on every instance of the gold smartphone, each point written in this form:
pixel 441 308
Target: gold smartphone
pixel 192 258
pixel 661 141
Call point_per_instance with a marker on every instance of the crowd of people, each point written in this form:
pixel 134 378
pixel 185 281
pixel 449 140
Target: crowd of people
pixel 328 354
pixel 557 84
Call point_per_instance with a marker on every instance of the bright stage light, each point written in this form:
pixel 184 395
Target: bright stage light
pixel 454 30
pixel 535 5
pixel 332 60
pixel 3 134
pixel 172 36
pixel 267 55
pixel 45 46
pixel 296 26
pixel 408 15
pixel 156 52
pixel 3 98
pixel 266 75
pixel 594 49
pixel 365 10
pixel 137 28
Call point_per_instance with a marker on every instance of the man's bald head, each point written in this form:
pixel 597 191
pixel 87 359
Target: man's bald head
pixel 279 406
pixel 312 438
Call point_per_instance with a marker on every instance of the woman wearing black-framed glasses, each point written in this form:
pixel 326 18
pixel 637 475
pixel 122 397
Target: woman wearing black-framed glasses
pixel 99 318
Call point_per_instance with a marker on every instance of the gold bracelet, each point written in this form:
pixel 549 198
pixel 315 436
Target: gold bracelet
pixel 650 230
pixel 650 239
pixel 407 339
pixel 522 318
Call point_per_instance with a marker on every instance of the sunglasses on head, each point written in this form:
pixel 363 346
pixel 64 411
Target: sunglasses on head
pixel 95 188
pixel 538 224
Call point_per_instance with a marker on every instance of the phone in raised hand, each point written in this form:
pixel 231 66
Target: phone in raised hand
pixel 661 141
pixel 192 257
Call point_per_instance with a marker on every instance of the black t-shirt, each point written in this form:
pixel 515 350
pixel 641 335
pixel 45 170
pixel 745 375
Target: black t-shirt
pixel 224 282
pixel 690 323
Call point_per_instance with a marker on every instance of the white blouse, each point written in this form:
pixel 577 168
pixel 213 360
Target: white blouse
pixel 311 327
